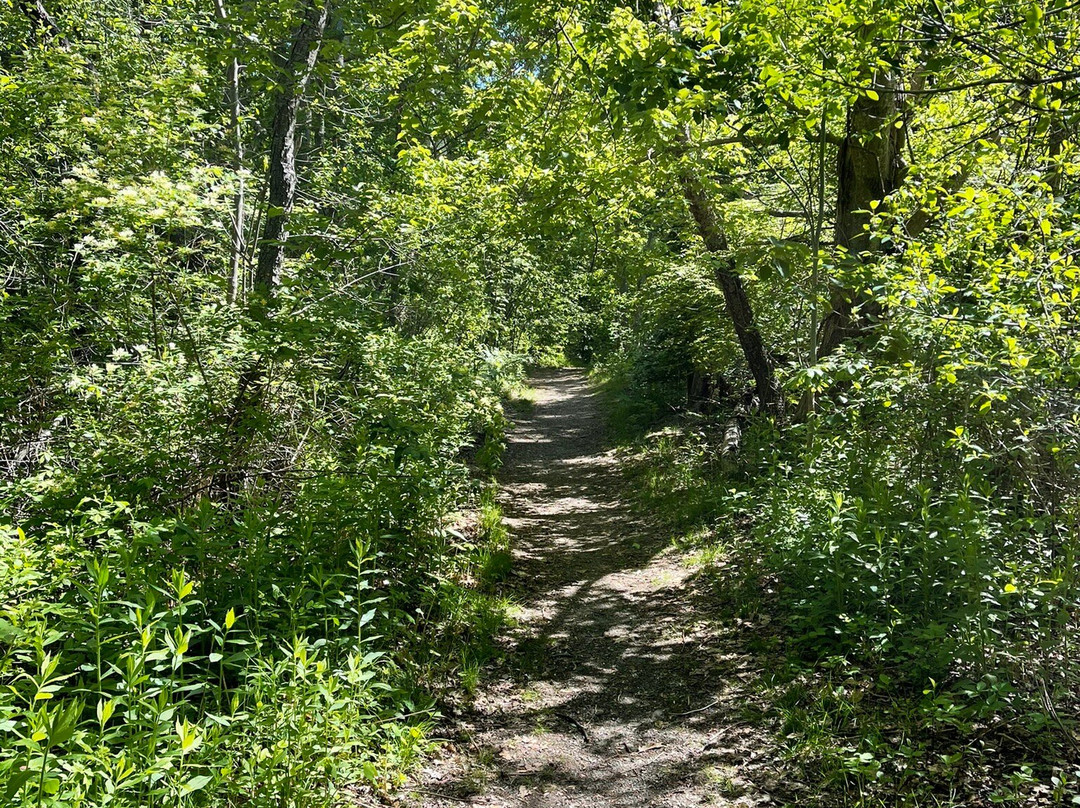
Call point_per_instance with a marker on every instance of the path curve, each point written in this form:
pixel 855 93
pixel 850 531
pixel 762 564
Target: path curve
pixel 615 691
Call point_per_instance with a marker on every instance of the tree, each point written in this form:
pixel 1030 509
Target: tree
pixel 869 168
pixel 294 75
pixel 735 299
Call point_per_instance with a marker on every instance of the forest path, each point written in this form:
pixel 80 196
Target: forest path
pixel 616 690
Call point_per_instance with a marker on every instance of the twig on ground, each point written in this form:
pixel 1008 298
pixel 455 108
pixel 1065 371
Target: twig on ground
pixel 577 724
pixel 712 703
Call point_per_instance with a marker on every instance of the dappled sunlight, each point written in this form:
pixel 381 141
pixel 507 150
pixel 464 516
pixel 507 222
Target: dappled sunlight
pixel 614 697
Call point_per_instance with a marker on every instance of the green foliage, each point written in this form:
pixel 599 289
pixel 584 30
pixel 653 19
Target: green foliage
pixel 301 593
pixel 916 534
pixel 934 615
pixel 236 555
pixel 127 692
pixel 212 595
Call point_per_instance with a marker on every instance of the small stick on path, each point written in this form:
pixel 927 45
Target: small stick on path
pixel 577 724
pixel 438 794
pixel 712 703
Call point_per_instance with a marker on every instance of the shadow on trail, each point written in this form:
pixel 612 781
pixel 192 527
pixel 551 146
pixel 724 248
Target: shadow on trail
pixel 613 694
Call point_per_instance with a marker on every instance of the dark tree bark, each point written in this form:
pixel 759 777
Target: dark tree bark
pixel 869 168
pixel 295 75
pixel 735 298
pixel 36 11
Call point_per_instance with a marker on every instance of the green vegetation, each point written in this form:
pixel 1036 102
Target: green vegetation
pixel 272 268
pixel 924 642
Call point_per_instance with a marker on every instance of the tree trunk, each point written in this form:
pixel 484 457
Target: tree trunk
pixel 869 168
pixel 36 11
pixel 295 75
pixel 735 299
pixel 232 97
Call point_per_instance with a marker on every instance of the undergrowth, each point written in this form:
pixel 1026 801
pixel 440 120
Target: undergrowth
pixel 921 631
pixel 272 648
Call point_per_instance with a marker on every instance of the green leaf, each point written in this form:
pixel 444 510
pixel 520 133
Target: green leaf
pixel 17 776
pixel 196 783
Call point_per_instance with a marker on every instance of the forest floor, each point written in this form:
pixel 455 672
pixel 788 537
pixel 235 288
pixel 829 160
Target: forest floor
pixel 620 684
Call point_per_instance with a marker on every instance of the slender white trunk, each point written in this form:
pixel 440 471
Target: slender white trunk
pixel 232 91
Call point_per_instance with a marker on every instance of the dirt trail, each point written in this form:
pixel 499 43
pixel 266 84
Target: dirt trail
pixel 615 692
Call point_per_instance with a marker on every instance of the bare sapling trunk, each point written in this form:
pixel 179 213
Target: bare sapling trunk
pixel 232 98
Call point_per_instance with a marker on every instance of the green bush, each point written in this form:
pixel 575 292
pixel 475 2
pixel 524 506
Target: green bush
pixel 167 642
